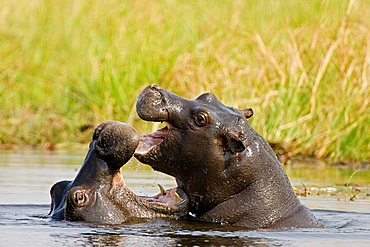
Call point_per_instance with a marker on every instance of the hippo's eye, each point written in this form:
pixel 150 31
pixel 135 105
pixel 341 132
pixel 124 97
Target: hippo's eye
pixel 80 198
pixel 201 119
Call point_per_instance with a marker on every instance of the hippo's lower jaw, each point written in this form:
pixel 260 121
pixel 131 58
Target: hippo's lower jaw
pixel 172 203
pixel 168 203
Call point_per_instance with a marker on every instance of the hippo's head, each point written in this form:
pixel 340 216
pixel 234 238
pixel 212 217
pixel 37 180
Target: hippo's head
pixel 229 172
pixel 200 145
pixel 98 193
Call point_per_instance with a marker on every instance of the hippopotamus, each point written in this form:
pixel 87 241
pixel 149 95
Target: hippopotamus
pixel 229 172
pixel 98 193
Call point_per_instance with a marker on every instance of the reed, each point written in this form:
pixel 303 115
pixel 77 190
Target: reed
pixel 303 66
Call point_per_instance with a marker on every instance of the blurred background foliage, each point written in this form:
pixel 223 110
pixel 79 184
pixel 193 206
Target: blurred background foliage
pixel 303 66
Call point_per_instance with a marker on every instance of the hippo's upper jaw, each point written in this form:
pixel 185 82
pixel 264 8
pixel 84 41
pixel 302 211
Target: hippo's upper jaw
pixel 149 145
pixel 98 193
pixel 155 104
pixel 229 172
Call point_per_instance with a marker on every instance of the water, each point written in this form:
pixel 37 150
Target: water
pixel 25 180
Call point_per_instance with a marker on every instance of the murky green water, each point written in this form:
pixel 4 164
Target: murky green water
pixel 25 180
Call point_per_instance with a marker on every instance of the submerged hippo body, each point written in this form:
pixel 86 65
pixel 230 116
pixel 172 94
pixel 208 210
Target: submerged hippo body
pixel 229 172
pixel 98 194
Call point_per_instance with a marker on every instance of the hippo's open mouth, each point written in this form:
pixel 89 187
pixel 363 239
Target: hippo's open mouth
pixel 149 143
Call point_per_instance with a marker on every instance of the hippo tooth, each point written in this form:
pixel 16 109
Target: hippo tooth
pixel 162 190
pixel 177 197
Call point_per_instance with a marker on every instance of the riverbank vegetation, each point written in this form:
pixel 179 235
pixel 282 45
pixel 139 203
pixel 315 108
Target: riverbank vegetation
pixel 303 66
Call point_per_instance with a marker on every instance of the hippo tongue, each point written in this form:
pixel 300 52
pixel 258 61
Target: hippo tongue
pixel 149 141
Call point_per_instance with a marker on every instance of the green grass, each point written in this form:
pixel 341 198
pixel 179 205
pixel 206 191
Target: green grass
pixel 303 66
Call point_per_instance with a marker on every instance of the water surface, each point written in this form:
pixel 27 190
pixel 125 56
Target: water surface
pixel 25 180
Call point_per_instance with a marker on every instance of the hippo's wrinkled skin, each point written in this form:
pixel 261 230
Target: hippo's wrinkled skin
pixel 229 172
pixel 99 195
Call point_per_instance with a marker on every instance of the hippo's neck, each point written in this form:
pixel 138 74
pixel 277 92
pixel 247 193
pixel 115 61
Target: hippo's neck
pixel 260 205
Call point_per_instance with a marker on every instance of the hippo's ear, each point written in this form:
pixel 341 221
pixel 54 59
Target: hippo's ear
pixel 233 142
pixel 248 112
pixel 57 192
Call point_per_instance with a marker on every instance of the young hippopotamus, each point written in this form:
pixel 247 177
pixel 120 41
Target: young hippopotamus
pixel 98 194
pixel 229 172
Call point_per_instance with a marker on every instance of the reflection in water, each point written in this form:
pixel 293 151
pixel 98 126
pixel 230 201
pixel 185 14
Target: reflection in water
pixel 21 225
pixel 109 239
pixel 89 239
pixel 26 179
pixel 117 239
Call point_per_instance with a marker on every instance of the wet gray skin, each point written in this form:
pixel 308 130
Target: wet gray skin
pixel 98 193
pixel 229 172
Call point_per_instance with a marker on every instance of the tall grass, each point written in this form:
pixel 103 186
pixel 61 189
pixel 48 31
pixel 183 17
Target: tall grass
pixel 303 66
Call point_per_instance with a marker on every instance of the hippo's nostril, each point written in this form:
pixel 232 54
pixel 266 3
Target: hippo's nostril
pixel 152 104
pixel 116 144
pixel 154 86
pixel 156 97
pixel 151 96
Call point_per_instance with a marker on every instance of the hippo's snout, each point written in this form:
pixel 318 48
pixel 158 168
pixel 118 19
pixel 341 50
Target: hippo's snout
pixel 115 143
pixel 152 104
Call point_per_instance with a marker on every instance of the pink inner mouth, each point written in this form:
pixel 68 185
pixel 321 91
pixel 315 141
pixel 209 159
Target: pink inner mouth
pixel 149 141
